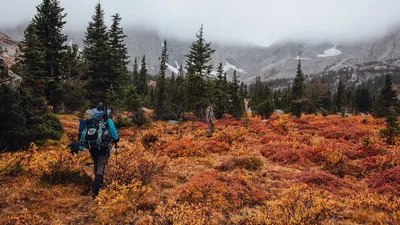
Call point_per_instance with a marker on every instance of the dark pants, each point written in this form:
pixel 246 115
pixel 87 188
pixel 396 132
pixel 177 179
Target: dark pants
pixel 100 159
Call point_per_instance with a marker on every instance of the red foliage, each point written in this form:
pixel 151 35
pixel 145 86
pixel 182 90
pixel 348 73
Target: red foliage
pixel 314 154
pixel 272 137
pixel 322 179
pixel 216 146
pixel 387 181
pixel 222 192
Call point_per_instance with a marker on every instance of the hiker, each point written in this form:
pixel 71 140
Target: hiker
pixel 97 133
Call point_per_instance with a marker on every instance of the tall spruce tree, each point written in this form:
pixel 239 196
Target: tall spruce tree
pixel 363 100
pixel 340 96
pixel 236 108
pixel 142 81
pixel 298 92
pixel 159 109
pixel 220 95
pixel 386 98
pixel 40 123
pixel 135 79
pixel 98 55
pixel 119 50
pixel 198 65
pixel 180 94
pixel 49 22
pixel 200 56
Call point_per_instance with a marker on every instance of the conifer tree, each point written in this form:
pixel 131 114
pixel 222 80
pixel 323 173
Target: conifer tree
pixel 392 129
pixel 386 98
pixel 298 91
pixel 340 96
pixel 119 50
pixel 135 73
pixel 49 22
pixel 200 56
pixel 98 55
pixel 220 94
pixel 363 100
pixel 198 65
pixel 142 82
pixel 180 94
pixel 237 103
pixel 159 109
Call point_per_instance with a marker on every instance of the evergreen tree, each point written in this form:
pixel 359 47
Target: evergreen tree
pixel 392 129
pixel 179 100
pixel 119 50
pixel 13 128
pixel 386 98
pixel 340 96
pixel 142 84
pixel 198 65
pixel 135 73
pixel 220 94
pixel 236 108
pixel 200 56
pixel 363 100
pixel 298 100
pixel 49 22
pixel 159 109
pixel 98 56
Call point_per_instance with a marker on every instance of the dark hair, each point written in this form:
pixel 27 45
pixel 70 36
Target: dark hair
pixel 100 106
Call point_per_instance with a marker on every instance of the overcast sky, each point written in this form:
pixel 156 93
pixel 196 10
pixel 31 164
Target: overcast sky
pixel 256 21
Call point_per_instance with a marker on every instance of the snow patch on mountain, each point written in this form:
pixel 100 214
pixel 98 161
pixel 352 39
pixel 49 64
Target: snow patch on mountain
pixel 330 53
pixel 301 58
pixel 229 66
pixel 172 68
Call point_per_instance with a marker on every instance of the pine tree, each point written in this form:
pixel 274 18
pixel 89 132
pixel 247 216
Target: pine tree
pixel 386 98
pixel 13 126
pixel 98 56
pixel 340 96
pixel 363 100
pixel 135 74
pixel 220 94
pixel 142 84
pixel 159 109
pixel 49 22
pixel 198 66
pixel 119 50
pixel 237 103
pixel 392 129
pixel 298 91
pixel 200 56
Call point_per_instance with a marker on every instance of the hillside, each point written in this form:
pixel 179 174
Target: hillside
pixel 313 170
pixel 277 61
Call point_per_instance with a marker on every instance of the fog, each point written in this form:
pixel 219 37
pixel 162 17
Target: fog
pixel 260 22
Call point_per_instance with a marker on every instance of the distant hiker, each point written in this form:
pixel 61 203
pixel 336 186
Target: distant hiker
pixel 97 133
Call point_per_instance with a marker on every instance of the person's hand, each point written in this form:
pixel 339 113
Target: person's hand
pixel 73 148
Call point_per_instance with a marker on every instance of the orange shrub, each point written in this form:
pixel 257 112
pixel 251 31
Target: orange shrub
pixel 322 179
pixel 387 181
pixel 184 148
pixel 248 163
pixel 222 192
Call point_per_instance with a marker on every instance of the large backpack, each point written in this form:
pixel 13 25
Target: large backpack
pixel 96 133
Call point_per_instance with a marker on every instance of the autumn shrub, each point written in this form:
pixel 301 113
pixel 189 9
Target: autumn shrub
pixel 313 154
pixel 183 213
pixel 374 208
pixel 149 139
pixel 214 146
pixel 387 181
pixel 222 192
pixel 58 167
pixel 322 179
pixel 184 148
pixel 231 134
pixel 282 153
pixel 303 205
pixel 272 137
pixel 118 203
pixel 248 163
pixel 134 164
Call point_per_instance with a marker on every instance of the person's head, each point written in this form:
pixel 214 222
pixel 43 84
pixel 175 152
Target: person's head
pixel 100 106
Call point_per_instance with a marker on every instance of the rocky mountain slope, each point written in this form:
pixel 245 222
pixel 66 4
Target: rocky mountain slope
pixel 8 49
pixel 277 61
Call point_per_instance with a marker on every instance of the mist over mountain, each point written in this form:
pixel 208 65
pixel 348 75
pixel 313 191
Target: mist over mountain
pixel 277 61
